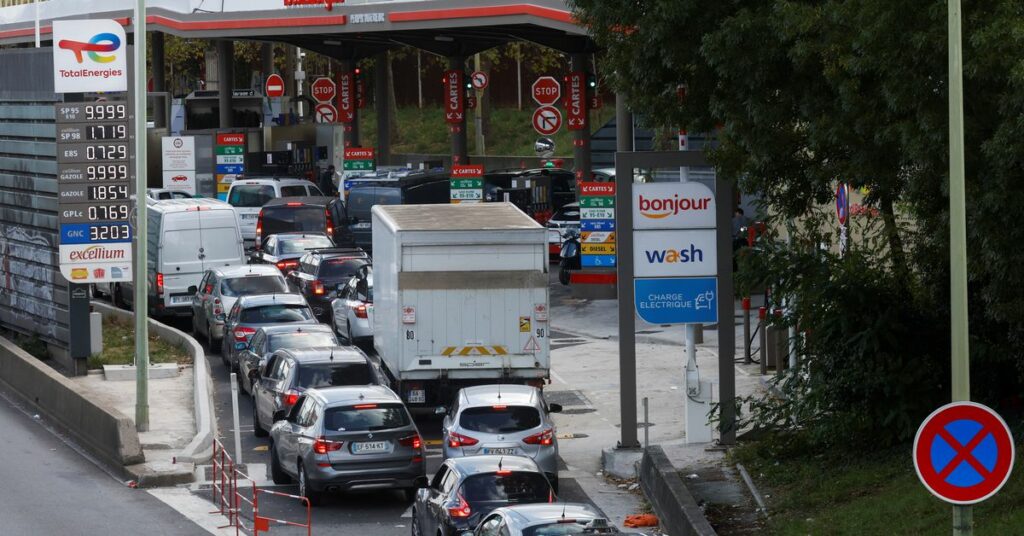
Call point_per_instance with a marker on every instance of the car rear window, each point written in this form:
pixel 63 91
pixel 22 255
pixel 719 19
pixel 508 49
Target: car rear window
pixel 301 340
pixel 333 374
pixel 339 269
pixel 366 417
pixel 268 314
pixel 298 245
pixel 250 196
pixel 513 487
pixel 499 419
pixel 253 284
pixel 293 191
pixel 284 219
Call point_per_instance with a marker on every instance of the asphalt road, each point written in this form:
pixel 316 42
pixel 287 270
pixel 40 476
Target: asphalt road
pixel 46 487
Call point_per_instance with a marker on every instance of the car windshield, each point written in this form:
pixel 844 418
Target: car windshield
pixel 499 419
pixel 253 284
pixel 300 244
pixel 287 218
pixel 339 269
pixel 301 340
pixel 366 417
pixel 268 314
pixel 333 374
pixel 509 487
pixel 250 196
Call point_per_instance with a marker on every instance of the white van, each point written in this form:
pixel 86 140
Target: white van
pixel 249 195
pixel 186 238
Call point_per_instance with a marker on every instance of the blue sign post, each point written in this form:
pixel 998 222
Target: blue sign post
pixel 677 300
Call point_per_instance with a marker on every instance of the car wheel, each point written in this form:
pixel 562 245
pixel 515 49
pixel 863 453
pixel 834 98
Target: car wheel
pixel 276 473
pixel 416 530
pixel 304 491
pixel 257 430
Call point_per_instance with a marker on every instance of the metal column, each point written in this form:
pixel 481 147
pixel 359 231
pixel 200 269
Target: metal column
pixel 225 80
pixel 460 154
pixel 381 96
pixel 726 309
pixel 581 138
pixel 627 314
pixel 623 124
pixel 159 82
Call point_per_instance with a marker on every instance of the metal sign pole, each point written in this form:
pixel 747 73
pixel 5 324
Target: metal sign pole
pixel 141 232
pixel 962 515
pixel 627 315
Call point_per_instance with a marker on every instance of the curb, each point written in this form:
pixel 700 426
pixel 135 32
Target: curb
pixel 200 449
pixel 675 506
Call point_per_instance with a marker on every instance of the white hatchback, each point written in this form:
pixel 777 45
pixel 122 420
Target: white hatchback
pixel 249 195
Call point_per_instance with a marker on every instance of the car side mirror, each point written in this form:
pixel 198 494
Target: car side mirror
pixel 554 408
pixel 440 410
pixel 193 289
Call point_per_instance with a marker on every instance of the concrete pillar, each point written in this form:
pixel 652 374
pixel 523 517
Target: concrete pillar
pixel 225 80
pixel 159 82
pixel 581 138
pixel 352 129
pixel 623 124
pixel 381 94
pixel 460 153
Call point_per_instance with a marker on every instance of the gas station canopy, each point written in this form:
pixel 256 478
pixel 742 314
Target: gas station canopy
pixel 350 30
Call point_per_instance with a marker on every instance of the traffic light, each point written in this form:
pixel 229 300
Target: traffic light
pixel 467 81
pixel 591 81
pixel 357 72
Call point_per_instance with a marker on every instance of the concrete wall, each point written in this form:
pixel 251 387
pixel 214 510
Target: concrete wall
pixel 675 506
pixel 105 432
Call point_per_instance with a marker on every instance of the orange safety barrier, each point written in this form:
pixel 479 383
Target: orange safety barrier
pixel 263 523
pixel 240 500
pixel 224 484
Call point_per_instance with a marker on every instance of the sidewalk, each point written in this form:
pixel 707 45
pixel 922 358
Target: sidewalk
pixel 585 380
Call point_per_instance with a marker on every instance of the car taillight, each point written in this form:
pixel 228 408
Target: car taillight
pixel 285 266
pixel 318 287
pixel 413 441
pixel 456 439
pixel 360 311
pixel 159 284
pixel 330 222
pixel 545 438
pixel 293 204
pixel 259 229
pixel 462 510
pixel 289 398
pixel 218 310
pixel 242 334
pixel 323 446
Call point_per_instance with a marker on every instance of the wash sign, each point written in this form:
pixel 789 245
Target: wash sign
pixel 675 253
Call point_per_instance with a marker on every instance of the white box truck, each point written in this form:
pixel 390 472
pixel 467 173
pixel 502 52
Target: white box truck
pixel 460 298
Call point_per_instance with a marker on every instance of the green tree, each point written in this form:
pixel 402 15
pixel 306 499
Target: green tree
pixel 803 94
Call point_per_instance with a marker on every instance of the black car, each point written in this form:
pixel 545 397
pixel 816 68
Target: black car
pixel 291 371
pixel 321 273
pixel 546 189
pixel 465 490
pixel 284 249
pixel 269 339
pixel 324 215
pixel 417 188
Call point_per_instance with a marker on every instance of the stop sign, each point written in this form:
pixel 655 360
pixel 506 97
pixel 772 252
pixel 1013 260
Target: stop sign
pixel 324 89
pixel 275 86
pixel 546 90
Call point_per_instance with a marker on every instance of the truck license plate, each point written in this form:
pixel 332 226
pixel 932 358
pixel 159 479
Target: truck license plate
pixel 369 447
pixel 505 451
pixel 416 396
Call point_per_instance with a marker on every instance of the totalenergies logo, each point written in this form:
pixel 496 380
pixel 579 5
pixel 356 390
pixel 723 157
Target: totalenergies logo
pixel 103 42
pixel 664 207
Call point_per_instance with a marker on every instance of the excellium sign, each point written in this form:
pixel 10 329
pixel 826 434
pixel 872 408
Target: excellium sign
pixel 89 55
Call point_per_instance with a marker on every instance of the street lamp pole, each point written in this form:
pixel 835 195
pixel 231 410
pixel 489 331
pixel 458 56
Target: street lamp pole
pixel 963 522
pixel 141 274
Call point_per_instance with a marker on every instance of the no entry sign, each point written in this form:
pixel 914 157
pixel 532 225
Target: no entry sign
pixel 326 113
pixel 324 89
pixel 963 453
pixel 546 91
pixel 547 120
pixel 275 86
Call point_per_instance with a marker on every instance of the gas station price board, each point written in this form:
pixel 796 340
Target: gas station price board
pixel 95 170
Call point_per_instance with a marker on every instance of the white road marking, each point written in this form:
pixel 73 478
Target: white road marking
pixel 408 512
pixel 193 508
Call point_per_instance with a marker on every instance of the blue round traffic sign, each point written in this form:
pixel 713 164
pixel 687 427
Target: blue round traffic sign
pixel 963 453
pixel 843 203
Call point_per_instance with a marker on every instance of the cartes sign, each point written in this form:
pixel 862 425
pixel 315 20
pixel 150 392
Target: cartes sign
pixel 576 104
pixel 454 103
pixel 963 453
pixel 346 97
pixel 89 55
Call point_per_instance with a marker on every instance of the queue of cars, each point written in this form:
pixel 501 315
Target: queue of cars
pixel 333 421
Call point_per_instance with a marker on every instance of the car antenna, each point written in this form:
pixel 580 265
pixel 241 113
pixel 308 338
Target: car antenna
pixel 563 510
pixel 499 391
pixel 332 353
pixel 501 459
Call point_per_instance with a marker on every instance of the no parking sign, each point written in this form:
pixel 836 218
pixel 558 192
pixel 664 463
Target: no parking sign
pixel 963 453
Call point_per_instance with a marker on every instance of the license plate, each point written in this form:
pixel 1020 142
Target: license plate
pixel 416 396
pixel 364 225
pixel 180 300
pixel 505 452
pixel 249 216
pixel 369 447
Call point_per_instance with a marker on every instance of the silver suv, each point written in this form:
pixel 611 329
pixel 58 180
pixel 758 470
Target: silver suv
pixel 505 420
pixel 348 438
